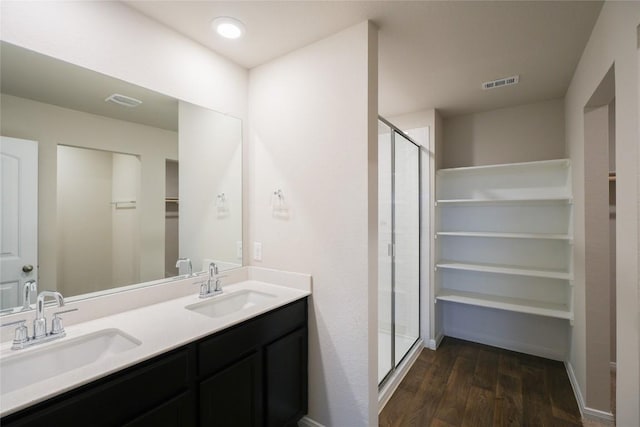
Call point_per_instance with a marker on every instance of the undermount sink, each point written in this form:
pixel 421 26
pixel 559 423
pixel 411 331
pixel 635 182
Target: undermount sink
pixel 25 367
pixel 223 305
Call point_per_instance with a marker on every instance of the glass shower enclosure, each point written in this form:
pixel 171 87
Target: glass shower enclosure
pixel 399 247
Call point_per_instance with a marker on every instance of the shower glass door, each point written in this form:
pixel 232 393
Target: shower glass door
pixel 399 248
pixel 406 257
pixel 385 242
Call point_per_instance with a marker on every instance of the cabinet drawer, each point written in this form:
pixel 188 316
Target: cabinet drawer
pixel 216 352
pixel 114 400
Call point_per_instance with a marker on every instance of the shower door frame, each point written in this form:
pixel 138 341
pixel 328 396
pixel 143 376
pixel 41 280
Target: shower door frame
pixel 395 364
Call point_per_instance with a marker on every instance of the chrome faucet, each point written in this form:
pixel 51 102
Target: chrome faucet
pixel 40 323
pixel 28 287
pixel 213 275
pixel 213 285
pixel 185 260
pixel 21 337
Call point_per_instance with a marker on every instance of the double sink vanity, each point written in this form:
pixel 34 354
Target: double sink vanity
pixel 163 356
pixel 134 344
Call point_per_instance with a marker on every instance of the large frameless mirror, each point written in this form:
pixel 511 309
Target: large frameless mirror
pixel 105 184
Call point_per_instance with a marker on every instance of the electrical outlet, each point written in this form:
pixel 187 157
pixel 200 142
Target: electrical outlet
pixel 257 251
pixel 239 249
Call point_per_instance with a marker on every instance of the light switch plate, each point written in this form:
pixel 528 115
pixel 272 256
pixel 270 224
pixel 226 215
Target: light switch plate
pixel 257 251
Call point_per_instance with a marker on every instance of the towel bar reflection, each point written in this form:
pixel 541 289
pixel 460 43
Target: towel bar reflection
pixel 124 204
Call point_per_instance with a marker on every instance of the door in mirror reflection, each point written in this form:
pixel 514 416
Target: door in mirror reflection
pixel 18 218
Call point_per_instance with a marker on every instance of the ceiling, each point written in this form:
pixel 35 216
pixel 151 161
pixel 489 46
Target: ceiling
pixel 30 75
pixel 432 54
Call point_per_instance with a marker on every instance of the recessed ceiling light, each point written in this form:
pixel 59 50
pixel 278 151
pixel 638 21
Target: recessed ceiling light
pixel 228 27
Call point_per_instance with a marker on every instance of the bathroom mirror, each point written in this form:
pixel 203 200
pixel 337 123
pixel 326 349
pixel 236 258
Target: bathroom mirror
pixel 123 188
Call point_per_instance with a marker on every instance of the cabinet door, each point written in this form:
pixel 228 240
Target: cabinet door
pixel 177 412
pixel 233 396
pixel 286 377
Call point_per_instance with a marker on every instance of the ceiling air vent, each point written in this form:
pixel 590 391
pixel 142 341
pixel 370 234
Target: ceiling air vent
pixel 507 81
pixel 123 100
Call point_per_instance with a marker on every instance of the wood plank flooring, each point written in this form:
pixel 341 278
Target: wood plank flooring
pixel 469 384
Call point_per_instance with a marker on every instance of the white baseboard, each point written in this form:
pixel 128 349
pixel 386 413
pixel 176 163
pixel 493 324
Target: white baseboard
pixel 308 422
pixel 392 384
pixel 585 411
pixel 493 341
pixel 435 343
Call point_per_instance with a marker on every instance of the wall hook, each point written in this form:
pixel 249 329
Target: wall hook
pixel 222 205
pixel 278 204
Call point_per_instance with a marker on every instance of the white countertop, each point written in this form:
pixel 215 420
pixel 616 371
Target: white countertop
pixel 159 327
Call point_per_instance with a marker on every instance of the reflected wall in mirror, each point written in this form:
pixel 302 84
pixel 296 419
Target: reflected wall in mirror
pixel 115 205
pixel 97 194
pixel 211 191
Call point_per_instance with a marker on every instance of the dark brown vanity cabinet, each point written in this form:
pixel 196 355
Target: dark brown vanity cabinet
pixel 252 374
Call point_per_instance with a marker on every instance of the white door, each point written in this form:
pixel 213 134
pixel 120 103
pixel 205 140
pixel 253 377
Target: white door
pixel 18 217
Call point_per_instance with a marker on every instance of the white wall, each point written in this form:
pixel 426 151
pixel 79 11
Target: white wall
pixel 313 119
pixel 517 134
pixel 51 125
pixel 613 40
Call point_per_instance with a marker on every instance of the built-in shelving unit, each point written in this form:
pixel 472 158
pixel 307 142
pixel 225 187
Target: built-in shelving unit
pixel 504 237
pixel 506 269
pixel 506 303
pixel 513 200
pixel 553 236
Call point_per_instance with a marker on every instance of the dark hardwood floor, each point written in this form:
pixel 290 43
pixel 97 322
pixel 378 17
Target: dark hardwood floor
pixel 469 384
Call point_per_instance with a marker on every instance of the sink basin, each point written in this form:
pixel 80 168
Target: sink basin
pixel 26 367
pixel 231 303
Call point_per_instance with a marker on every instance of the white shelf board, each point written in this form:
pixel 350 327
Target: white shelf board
pixel 505 269
pixel 491 168
pixel 503 201
pixel 559 311
pixel 505 235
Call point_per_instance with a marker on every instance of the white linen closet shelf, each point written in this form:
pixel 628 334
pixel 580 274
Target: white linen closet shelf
pixel 504 239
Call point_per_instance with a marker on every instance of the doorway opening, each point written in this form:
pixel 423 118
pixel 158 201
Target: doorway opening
pixel 600 244
pixel 171 229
